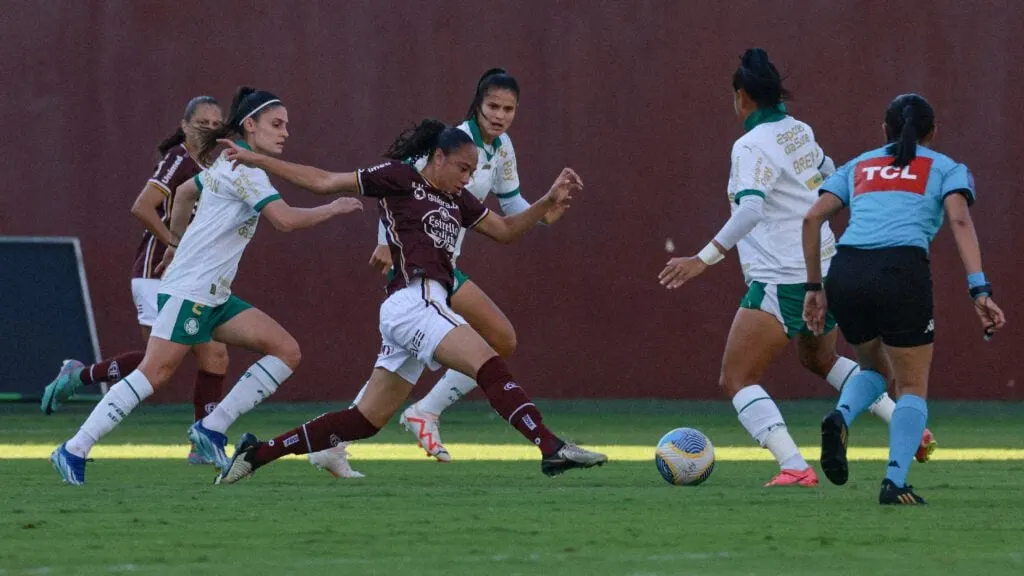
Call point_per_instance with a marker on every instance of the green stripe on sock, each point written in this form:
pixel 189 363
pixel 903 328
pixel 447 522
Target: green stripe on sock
pixel 751 402
pixel 269 375
pixel 137 397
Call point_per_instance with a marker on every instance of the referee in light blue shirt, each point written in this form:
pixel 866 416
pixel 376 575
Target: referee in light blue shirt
pixel 880 287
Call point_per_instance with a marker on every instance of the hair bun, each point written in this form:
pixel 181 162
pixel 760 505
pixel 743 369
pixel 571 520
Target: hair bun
pixel 755 59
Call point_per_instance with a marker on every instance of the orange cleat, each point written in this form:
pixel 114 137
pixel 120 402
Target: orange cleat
pixel 928 444
pixel 806 478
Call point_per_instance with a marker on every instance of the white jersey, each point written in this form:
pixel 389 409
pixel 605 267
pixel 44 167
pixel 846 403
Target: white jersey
pixel 779 160
pixel 495 172
pixel 229 210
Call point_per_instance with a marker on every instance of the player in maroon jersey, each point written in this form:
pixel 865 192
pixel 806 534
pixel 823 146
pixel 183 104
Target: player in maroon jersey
pixel 423 213
pixel 178 165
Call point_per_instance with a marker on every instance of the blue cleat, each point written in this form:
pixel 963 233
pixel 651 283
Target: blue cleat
pixel 209 445
pixel 70 467
pixel 62 387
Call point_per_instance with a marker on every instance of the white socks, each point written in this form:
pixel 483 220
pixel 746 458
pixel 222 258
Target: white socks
pixel 119 402
pixel 452 386
pixel 761 417
pixel 255 386
pixel 843 370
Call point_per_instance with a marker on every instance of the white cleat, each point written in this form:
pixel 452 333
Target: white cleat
pixel 335 461
pixel 424 426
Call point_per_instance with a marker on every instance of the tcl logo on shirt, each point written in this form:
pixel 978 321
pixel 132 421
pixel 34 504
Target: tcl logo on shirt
pixel 877 175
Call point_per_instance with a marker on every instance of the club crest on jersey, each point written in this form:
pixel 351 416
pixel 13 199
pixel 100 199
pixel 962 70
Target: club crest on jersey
pixel 419 192
pixel 191 327
pixel 879 175
pixel 442 228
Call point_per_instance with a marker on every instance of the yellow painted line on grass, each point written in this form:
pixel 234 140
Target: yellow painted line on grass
pixel 470 452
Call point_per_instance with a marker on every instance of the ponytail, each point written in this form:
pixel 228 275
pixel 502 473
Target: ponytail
pixel 171 141
pixel 417 141
pixel 760 79
pixel 908 119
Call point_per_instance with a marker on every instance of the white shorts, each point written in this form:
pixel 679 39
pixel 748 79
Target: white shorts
pixel 413 321
pixel 144 291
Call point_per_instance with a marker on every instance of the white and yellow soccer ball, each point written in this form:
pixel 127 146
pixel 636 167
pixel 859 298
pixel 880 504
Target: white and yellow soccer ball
pixel 685 457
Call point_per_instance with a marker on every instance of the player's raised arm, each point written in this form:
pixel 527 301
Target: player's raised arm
pixel 311 178
pixel 506 229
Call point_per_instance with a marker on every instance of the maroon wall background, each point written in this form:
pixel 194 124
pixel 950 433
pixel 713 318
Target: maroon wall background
pixel 634 95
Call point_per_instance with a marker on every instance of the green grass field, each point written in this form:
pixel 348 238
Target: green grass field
pixel 145 511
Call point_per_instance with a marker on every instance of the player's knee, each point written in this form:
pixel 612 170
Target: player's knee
pixel 505 344
pixel 818 362
pixel 731 383
pixel 289 353
pixel 213 359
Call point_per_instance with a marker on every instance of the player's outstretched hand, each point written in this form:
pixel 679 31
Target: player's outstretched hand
pixel 679 271
pixel 346 206
pixel 814 311
pixel 164 262
pixel 238 155
pixel 991 316
pixel 381 258
pixel 564 186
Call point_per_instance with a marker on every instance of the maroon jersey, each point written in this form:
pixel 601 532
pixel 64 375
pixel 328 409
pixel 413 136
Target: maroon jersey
pixel 176 167
pixel 422 222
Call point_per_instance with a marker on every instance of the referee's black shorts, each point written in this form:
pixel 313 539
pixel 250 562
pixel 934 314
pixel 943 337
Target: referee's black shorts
pixel 885 292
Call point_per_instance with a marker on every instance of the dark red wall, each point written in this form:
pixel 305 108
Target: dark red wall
pixel 634 95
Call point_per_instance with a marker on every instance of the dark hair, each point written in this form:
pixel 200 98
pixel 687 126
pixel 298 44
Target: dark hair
pixel 246 101
pixel 908 118
pixel 422 139
pixel 759 78
pixel 179 135
pixel 493 79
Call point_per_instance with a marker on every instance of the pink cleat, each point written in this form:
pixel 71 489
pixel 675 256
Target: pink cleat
pixel 806 478
pixel 928 444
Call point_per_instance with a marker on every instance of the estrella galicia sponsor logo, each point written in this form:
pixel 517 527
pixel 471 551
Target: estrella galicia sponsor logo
pixel 442 227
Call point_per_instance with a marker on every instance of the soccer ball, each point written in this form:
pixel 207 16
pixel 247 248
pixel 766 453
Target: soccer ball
pixel 685 457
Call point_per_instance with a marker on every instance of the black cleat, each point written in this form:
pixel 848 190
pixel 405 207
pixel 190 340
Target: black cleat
pixel 833 448
pixel 570 456
pixel 893 494
pixel 243 463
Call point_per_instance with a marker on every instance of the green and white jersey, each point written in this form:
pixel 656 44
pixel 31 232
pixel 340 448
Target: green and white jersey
pixel 778 159
pixel 495 172
pixel 229 209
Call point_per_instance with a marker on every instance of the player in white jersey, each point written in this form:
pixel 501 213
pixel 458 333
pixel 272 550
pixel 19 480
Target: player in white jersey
pixel 494 106
pixel 195 302
pixel 777 168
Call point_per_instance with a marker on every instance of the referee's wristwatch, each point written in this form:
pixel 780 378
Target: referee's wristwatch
pixel 812 286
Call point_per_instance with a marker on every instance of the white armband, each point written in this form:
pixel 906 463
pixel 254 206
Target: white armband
pixel 743 220
pixel 827 167
pixel 710 254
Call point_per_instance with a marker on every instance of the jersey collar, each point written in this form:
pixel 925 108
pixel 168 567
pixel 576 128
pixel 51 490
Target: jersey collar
pixel 243 144
pixel 763 116
pixel 478 139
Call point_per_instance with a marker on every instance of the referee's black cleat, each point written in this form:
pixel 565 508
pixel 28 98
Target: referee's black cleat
pixel 893 494
pixel 570 456
pixel 833 448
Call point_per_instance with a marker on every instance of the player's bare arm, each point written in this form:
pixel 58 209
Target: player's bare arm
pixel 144 209
pixel 509 228
pixel 314 179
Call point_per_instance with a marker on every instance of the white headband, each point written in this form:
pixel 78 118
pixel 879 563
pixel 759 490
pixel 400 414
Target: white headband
pixel 258 108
